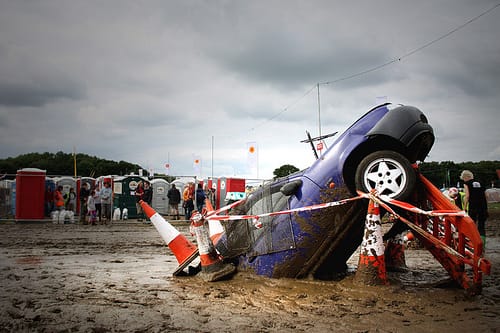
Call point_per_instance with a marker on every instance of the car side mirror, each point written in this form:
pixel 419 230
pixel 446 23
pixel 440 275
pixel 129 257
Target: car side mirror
pixel 291 188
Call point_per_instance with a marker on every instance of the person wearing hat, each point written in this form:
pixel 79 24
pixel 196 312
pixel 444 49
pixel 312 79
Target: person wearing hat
pixel 475 202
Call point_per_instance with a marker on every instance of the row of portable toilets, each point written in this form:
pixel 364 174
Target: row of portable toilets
pixel 25 198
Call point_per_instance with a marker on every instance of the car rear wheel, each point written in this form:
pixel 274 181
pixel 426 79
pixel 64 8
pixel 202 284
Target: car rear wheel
pixel 388 172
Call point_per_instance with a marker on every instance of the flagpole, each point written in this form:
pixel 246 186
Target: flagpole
pixel 74 159
pixel 212 157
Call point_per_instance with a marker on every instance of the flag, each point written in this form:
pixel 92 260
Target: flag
pixel 197 164
pixel 252 155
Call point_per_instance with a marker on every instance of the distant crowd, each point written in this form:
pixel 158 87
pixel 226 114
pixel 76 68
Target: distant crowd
pixel 95 205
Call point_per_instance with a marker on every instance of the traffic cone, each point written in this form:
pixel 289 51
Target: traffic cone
pixel 183 249
pixel 216 230
pixel 212 266
pixel 395 260
pixel 371 267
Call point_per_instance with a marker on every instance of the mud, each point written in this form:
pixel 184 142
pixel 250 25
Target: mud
pixel 118 278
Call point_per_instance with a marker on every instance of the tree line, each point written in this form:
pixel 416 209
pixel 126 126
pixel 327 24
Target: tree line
pixel 447 174
pixel 63 164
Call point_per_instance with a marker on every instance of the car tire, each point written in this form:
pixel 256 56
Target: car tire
pixel 389 172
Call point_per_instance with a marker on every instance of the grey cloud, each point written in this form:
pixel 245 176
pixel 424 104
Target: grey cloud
pixel 36 94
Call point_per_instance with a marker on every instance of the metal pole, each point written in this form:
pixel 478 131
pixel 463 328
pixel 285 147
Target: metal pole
pixel 319 113
pixel 212 157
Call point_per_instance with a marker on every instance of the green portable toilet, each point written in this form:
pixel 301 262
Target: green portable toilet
pixel 124 193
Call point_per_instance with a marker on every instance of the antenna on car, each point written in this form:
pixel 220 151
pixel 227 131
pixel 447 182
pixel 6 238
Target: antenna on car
pixel 318 138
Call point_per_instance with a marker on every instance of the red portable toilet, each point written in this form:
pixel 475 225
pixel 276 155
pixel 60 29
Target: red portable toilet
pixel 235 190
pixel 30 194
pixel 235 185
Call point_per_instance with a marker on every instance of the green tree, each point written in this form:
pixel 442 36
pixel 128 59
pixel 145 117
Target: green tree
pixel 284 170
pixel 62 164
pixel 447 173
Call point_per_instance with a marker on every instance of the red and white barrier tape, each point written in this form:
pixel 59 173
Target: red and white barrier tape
pixel 212 216
pixel 413 209
pixel 361 195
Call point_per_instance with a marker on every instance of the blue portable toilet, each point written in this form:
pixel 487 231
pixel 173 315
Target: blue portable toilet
pixel 50 188
pixel 13 197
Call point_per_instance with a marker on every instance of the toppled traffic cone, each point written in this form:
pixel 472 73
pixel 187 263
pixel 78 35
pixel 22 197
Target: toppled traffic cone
pixel 212 266
pixel 395 260
pixel 183 249
pixel 371 267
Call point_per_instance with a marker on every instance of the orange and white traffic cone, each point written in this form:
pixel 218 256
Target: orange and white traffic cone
pixel 371 267
pixel 395 260
pixel 212 266
pixel 214 226
pixel 183 249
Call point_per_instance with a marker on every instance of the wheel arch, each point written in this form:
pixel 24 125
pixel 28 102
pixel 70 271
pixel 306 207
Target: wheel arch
pixel 370 146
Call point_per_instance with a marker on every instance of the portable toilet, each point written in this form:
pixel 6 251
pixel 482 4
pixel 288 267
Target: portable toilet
pixel 67 182
pixel 89 181
pixel 13 197
pixel 124 193
pixel 235 190
pixel 228 190
pixel 160 188
pixel 50 188
pixel 30 194
pixel 5 203
pixel 99 181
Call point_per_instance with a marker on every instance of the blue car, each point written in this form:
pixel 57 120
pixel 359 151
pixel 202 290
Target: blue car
pixel 376 152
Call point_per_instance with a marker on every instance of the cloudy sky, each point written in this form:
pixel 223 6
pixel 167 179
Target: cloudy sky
pixel 156 82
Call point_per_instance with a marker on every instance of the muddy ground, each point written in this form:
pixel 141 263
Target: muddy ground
pixel 118 278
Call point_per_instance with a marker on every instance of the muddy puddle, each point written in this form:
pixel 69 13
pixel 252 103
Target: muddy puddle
pixel 118 278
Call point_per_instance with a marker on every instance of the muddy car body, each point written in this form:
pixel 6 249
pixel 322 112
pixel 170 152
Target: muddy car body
pixel 377 151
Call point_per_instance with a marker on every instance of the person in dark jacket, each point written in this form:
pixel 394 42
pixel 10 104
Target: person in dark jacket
pixel 200 197
pixel 475 202
pixel 139 195
pixel 174 198
pixel 148 193
pixel 147 197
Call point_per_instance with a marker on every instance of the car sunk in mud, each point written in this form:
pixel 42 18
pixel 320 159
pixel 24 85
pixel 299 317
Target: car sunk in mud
pixel 376 152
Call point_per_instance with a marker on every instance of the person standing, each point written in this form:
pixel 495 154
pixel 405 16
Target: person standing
pixel 139 193
pixel 188 205
pixel 84 195
pixel 71 200
pixel 58 198
pixel 200 197
pixel 97 199
pixel 106 197
pixel 147 197
pixel 91 208
pixel 174 198
pixel 475 202
pixel 49 200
